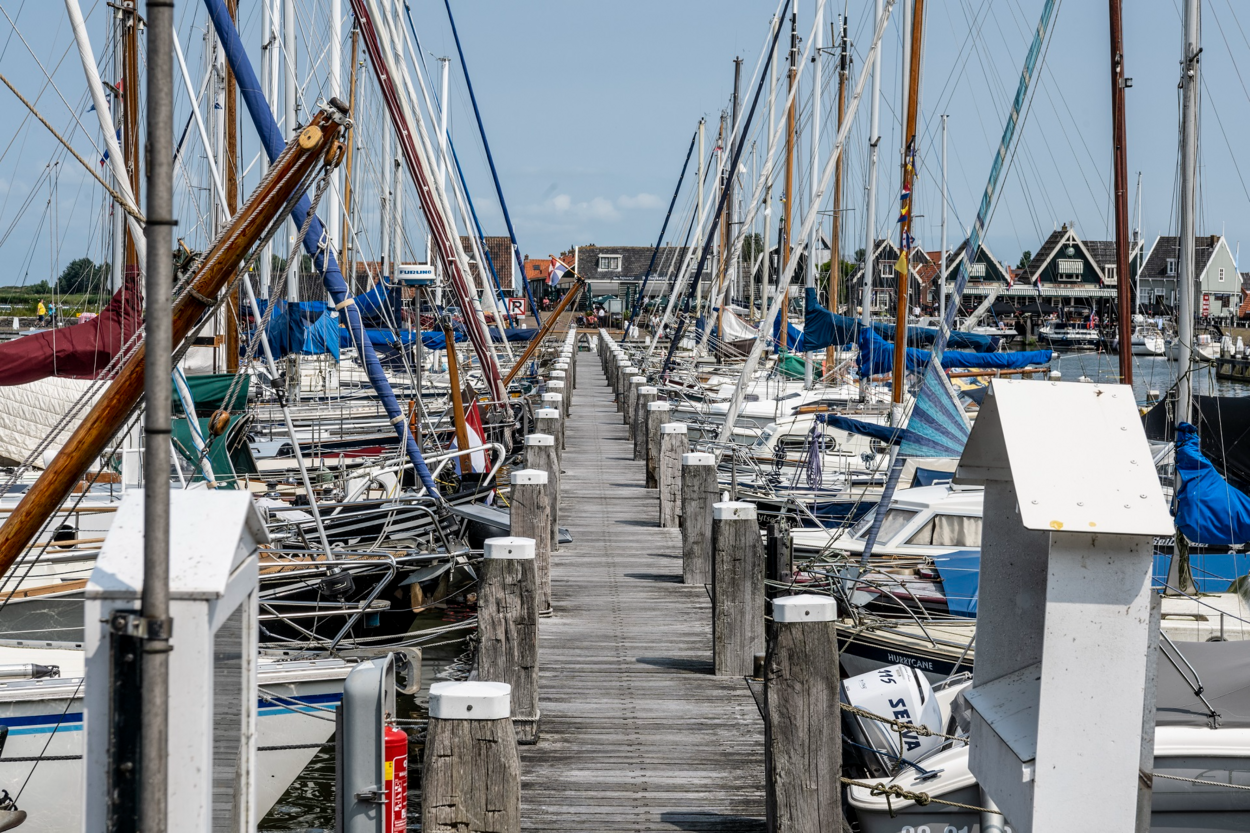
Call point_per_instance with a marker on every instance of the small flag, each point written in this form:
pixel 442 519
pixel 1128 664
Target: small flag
pixel 555 271
pixel 901 267
pixel 478 459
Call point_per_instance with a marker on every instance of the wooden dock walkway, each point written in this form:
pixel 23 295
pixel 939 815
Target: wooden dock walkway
pixel 637 734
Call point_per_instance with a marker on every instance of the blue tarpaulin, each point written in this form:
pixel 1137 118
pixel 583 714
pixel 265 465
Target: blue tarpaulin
pixel 925 336
pixel 876 356
pixel 304 327
pixel 961 579
pixel 511 333
pixel 821 328
pixel 885 433
pixel 794 336
pixel 377 305
pixel 1208 510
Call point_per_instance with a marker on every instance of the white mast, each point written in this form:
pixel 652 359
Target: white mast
pixel 397 186
pixel 810 278
pixel 702 175
pixel 1189 159
pixel 268 86
pixel 1137 238
pixel 870 210
pixel 942 269
pixel 768 187
pixel 334 194
pixel 290 120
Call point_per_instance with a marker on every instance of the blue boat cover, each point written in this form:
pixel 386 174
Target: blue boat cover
pixel 1208 510
pixel 511 334
pixel 377 304
pixel 925 336
pixel 876 356
pixel 885 433
pixel 821 328
pixel 794 337
pixel 304 327
pixel 961 579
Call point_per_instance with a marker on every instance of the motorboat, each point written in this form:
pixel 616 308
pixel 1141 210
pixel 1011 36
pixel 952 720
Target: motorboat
pixel 1205 348
pixel 1066 335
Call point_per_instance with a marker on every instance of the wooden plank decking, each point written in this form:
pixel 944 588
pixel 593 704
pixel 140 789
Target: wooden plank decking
pixel 637 734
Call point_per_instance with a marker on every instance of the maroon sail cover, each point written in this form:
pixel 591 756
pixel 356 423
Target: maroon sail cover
pixel 79 351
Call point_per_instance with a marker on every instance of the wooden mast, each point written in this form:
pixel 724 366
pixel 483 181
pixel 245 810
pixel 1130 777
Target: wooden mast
pixel 130 114
pixel 784 240
pixel 902 276
pixel 835 237
pixel 1120 155
pixel 348 251
pixel 457 397
pixel 289 173
pixel 231 164
pixel 722 260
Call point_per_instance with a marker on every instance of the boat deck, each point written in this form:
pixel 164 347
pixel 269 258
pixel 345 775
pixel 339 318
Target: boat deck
pixel 637 734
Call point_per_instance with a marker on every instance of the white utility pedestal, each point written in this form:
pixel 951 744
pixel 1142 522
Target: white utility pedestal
pixel 213 578
pixel 1067 622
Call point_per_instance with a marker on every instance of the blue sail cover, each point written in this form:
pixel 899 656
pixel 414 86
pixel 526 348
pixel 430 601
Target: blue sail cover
pixel 926 336
pixel 821 328
pixel 304 327
pixel 876 356
pixel 1208 510
pixel 885 433
pixel 961 580
pixel 794 337
pixel 376 306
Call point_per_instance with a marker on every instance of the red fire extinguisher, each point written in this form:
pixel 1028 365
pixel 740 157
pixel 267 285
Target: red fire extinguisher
pixel 396 766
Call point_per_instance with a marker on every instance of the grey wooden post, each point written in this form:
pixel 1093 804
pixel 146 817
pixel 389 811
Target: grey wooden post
pixel 657 415
pixel 673 445
pixel 737 589
pixel 471 782
pixel 698 493
pixel 570 382
pixel 530 517
pixel 548 421
pixel 507 627
pixel 557 386
pixel 631 401
pixel 623 376
pixel 565 388
pixel 646 395
pixel 540 453
pixel 802 736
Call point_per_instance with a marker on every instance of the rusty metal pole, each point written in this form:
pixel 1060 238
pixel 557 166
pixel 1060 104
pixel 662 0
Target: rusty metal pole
pixel 1120 154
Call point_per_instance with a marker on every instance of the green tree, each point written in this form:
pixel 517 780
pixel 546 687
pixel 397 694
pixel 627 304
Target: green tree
pixel 1025 257
pixel 859 255
pixel 752 247
pixel 82 277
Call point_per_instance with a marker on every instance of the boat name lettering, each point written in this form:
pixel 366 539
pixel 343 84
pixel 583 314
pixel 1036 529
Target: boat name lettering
pixel 927 665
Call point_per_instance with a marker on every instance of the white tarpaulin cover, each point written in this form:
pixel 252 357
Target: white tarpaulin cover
pixel 28 413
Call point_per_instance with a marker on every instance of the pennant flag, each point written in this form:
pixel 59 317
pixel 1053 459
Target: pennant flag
pixel 900 268
pixel 555 271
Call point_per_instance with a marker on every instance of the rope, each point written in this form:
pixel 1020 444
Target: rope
pixel 901 725
pixel 1201 781
pixel 122 201
pixel 921 798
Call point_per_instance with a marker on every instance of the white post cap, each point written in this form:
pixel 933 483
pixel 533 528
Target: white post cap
pixel 648 390
pixel 556 385
pixel 732 510
pixel 475 700
pixel 805 607
pixel 526 477
pixel 547 413
pixel 553 397
pixel 637 380
pixel 698 458
pixel 556 374
pixel 659 406
pixel 673 428
pixel 630 369
pixel 518 549
pixel 539 439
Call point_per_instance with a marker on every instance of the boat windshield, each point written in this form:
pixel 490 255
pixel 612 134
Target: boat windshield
pixel 766 435
pixel 894 520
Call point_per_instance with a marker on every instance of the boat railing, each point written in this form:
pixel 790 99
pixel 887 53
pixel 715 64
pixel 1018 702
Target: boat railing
pixel 443 459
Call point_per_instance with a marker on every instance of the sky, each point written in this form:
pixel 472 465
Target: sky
pixel 589 108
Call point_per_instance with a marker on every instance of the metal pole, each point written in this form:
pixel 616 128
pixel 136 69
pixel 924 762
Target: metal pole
pixel 809 281
pixel 1119 146
pixel 768 187
pixel 942 269
pixel 1189 162
pixel 870 209
pixel 158 333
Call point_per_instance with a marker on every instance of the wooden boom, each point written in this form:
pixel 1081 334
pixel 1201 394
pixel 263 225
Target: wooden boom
pixel 318 142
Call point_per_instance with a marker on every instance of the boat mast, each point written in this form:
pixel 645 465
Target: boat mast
pixel 765 273
pixel 130 113
pixel 723 242
pixel 397 182
pixel 902 276
pixel 1189 161
pixel 1120 164
pixel 702 174
pixel 269 89
pixel 290 123
pixel 809 281
pixel 333 196
pixel 1137 243
pixel 230 113
pixel 870 209
pixel 347 251
pixel 942 267
pixel 786 212
pixel 835 242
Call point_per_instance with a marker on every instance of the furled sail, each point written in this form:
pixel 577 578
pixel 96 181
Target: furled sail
pixel 1208 510
pixel 876 356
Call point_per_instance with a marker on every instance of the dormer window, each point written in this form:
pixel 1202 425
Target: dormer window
pixel 1171 266
pixel 1109 271
pixel 609 263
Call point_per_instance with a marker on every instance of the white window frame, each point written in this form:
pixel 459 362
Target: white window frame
pixel 1221 274
pixel 609 263
pixel 887 269
pixel 976 270
pixel 1110 272
pixel 1069 269
pixel 1171 266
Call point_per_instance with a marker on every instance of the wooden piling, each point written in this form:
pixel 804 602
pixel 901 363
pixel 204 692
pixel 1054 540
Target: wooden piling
pixel 698 493
pixel 557 386
pixel 657 414
pixel 471 780
pixel 551 411
pixel 802 735
pixel 507 627
pixel 737 588
pixel 565 389
pixel 540 453
pixel 673 446
pixel 530 514
pixel 646 395
pixel 631 401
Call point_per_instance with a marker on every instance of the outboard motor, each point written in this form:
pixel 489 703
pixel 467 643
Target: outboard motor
pixel 897 692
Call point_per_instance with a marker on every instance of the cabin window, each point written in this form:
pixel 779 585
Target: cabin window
pixel 1070 270
pixel 894 522
pixel 1221 275
pixel 1171 266
pixel 949 531
pixel 976 270
pixel 1109 271
pixel 887 270
pixel 609 263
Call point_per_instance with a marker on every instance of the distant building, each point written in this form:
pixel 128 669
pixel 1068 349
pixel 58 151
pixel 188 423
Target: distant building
pixel 1071 270
pixel 885 281
pixel 1219 283
pixel 610 269
pixel 499 250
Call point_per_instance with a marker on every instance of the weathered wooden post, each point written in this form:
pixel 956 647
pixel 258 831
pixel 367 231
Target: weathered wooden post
pixel 540 453
pixel 626 372
pixel 557 386
pixel 471 781
pixel 552 402
pixel 548 420
pixel 646 395
pixel 802 725
pixel 565 388
pixel 737 589
pixel 631 401
pixel 530 517
pixel 657 415
pixel 507 627
pixel 673 446
pixel 698 493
